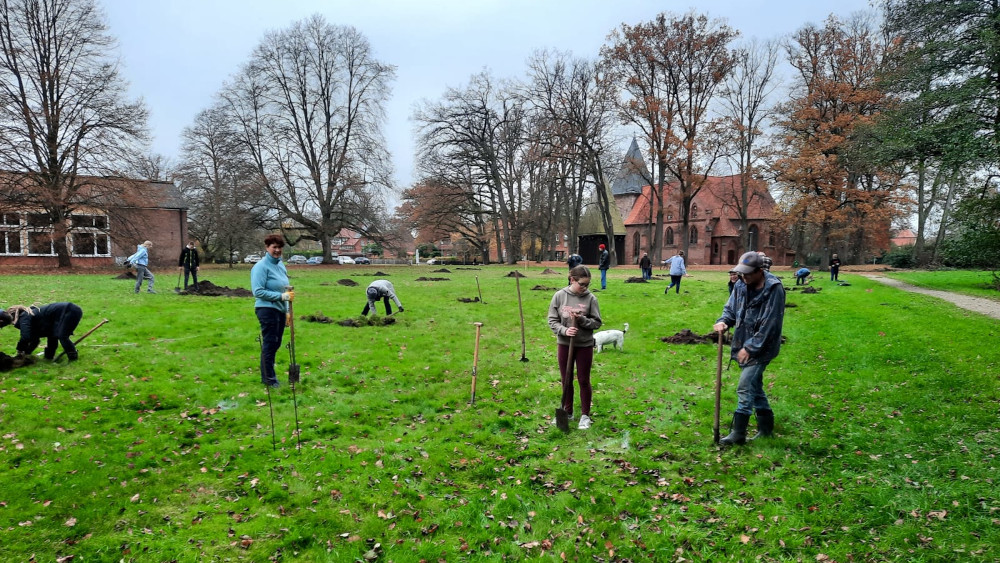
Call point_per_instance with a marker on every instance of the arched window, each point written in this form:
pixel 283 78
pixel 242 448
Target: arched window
pixel 668 236
pixel 770 238
pixel 694 235
pixel 752 239
pixel 694 210
pixel 636 245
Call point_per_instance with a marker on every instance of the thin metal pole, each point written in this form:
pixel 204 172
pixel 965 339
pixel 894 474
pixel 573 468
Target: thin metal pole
pixel 520 308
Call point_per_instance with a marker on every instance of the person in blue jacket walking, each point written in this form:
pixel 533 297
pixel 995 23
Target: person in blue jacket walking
pixel 269 282
pixel 141 262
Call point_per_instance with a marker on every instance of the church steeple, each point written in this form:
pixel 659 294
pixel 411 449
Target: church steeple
pixel 633 174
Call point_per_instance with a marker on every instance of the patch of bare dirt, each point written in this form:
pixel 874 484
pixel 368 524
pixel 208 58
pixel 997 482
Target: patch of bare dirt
pixel 549 271
pixel 543 288
pixel 516 274
pixel 634 279
pixel 209 289
pixel 368 275
pixel 126 275
pixel 347 282
pixel 441 271
pixel 8 363
pixel 469 299
pixel 368 321
pixel 468 268
pixel 422 278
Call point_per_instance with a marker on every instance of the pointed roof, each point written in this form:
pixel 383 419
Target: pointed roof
pixel 632 175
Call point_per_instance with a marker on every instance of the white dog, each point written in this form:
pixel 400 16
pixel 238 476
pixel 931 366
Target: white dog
pixel 616 338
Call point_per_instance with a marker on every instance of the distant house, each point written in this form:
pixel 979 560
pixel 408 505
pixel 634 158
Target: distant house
pixel 99 234
pixel 905 237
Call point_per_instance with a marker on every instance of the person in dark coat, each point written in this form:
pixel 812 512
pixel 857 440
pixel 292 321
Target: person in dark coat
pixel 189 262
pixel 54 322
pixel 834 268
pixel 603 265
pixel 646 265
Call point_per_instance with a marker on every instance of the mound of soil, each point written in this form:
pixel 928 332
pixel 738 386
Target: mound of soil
pixel 468 300
pixel 787 305
pixel 8 363
pixel 468 268
pixel 209 289
pixel 634 279
pixel 368 321
pixel 126 275
pixel 422 278
pixel 687 337
pixel 516 274
pixel 811 289
pixel 381 274
pixel 549 271
pixel 441 271
pixel 347 282
pixel 543 288
pixel 319 317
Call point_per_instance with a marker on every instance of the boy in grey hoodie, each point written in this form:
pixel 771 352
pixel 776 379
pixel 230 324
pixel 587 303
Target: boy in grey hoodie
pixel 573 317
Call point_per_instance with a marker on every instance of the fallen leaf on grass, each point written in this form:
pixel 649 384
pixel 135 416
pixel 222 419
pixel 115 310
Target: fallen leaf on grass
pixel 71 522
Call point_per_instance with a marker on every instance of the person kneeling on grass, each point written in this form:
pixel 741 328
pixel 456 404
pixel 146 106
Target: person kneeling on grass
pixel 54 322
pixel 574 316
pixel 381 289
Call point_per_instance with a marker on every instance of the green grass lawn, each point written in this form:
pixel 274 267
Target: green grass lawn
pixel 978 283
pixel 156 444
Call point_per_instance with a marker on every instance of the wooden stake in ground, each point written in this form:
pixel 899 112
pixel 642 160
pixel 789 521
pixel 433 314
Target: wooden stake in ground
pixel 475 364
pixel 520 308
pixel 480 291
pixel 718 390
pixel 78 340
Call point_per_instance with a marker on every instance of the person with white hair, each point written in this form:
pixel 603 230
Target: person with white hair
pixel 141 262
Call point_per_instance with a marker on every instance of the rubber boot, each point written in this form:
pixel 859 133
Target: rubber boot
pixel 765 424
pixel 738 430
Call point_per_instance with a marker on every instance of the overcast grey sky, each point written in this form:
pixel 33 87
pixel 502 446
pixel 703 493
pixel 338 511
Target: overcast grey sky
pixel 176 54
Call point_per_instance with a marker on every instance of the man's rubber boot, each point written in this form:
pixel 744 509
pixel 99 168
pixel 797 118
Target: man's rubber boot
pixel 562 419
pixel 765 424
pixel 738 430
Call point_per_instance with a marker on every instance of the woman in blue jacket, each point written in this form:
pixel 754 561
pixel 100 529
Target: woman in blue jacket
pixel 269 281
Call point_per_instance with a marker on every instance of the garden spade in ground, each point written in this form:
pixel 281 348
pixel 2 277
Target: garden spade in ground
pixel 293 368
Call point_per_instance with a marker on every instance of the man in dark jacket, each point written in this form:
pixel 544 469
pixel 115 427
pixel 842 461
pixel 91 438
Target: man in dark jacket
pixel 756 308
pixel 603 266
pixel 55 322
pixel 646 266
pixel 189 261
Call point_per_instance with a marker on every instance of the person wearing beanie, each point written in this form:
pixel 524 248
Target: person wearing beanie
pixel 756 308
pixel 54 322
pixel 141 262
pixel 381 289
pixel 603 265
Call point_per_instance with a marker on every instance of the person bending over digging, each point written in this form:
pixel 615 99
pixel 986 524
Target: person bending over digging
pixel 54 322
pixel 381 289
pixel 574 316
pixel 757 308
pixel 269 280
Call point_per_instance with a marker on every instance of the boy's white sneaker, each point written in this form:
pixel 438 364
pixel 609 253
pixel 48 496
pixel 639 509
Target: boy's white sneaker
pixel 584 422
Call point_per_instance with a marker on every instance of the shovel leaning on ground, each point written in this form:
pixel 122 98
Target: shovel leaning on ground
pixel 718 390
pixel 78 340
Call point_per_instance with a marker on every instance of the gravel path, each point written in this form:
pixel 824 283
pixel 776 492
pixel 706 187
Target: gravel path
pixel 981 305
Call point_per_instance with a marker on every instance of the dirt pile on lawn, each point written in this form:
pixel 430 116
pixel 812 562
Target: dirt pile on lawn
pixel 209 289
pixel 549 271
pixel 368 321
pixel 515 274
pixel 468 300
pixel 422 278
pixel 8 363
pixel 685 336
pixel 126 275
pixel 441 271
pixel 368 275
pixel 347 282
pixel 634 279
pixel 543 288
pixel 318 317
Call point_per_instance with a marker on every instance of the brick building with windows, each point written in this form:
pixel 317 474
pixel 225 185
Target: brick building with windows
pixel 99 235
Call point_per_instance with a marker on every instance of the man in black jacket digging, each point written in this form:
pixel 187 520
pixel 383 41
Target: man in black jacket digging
pixel 189 262
pixel 756 307
pixel 54 322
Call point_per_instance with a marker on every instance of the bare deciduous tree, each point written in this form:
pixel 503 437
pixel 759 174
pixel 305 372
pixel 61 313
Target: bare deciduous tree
pixel 63 112
pixel 308 109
